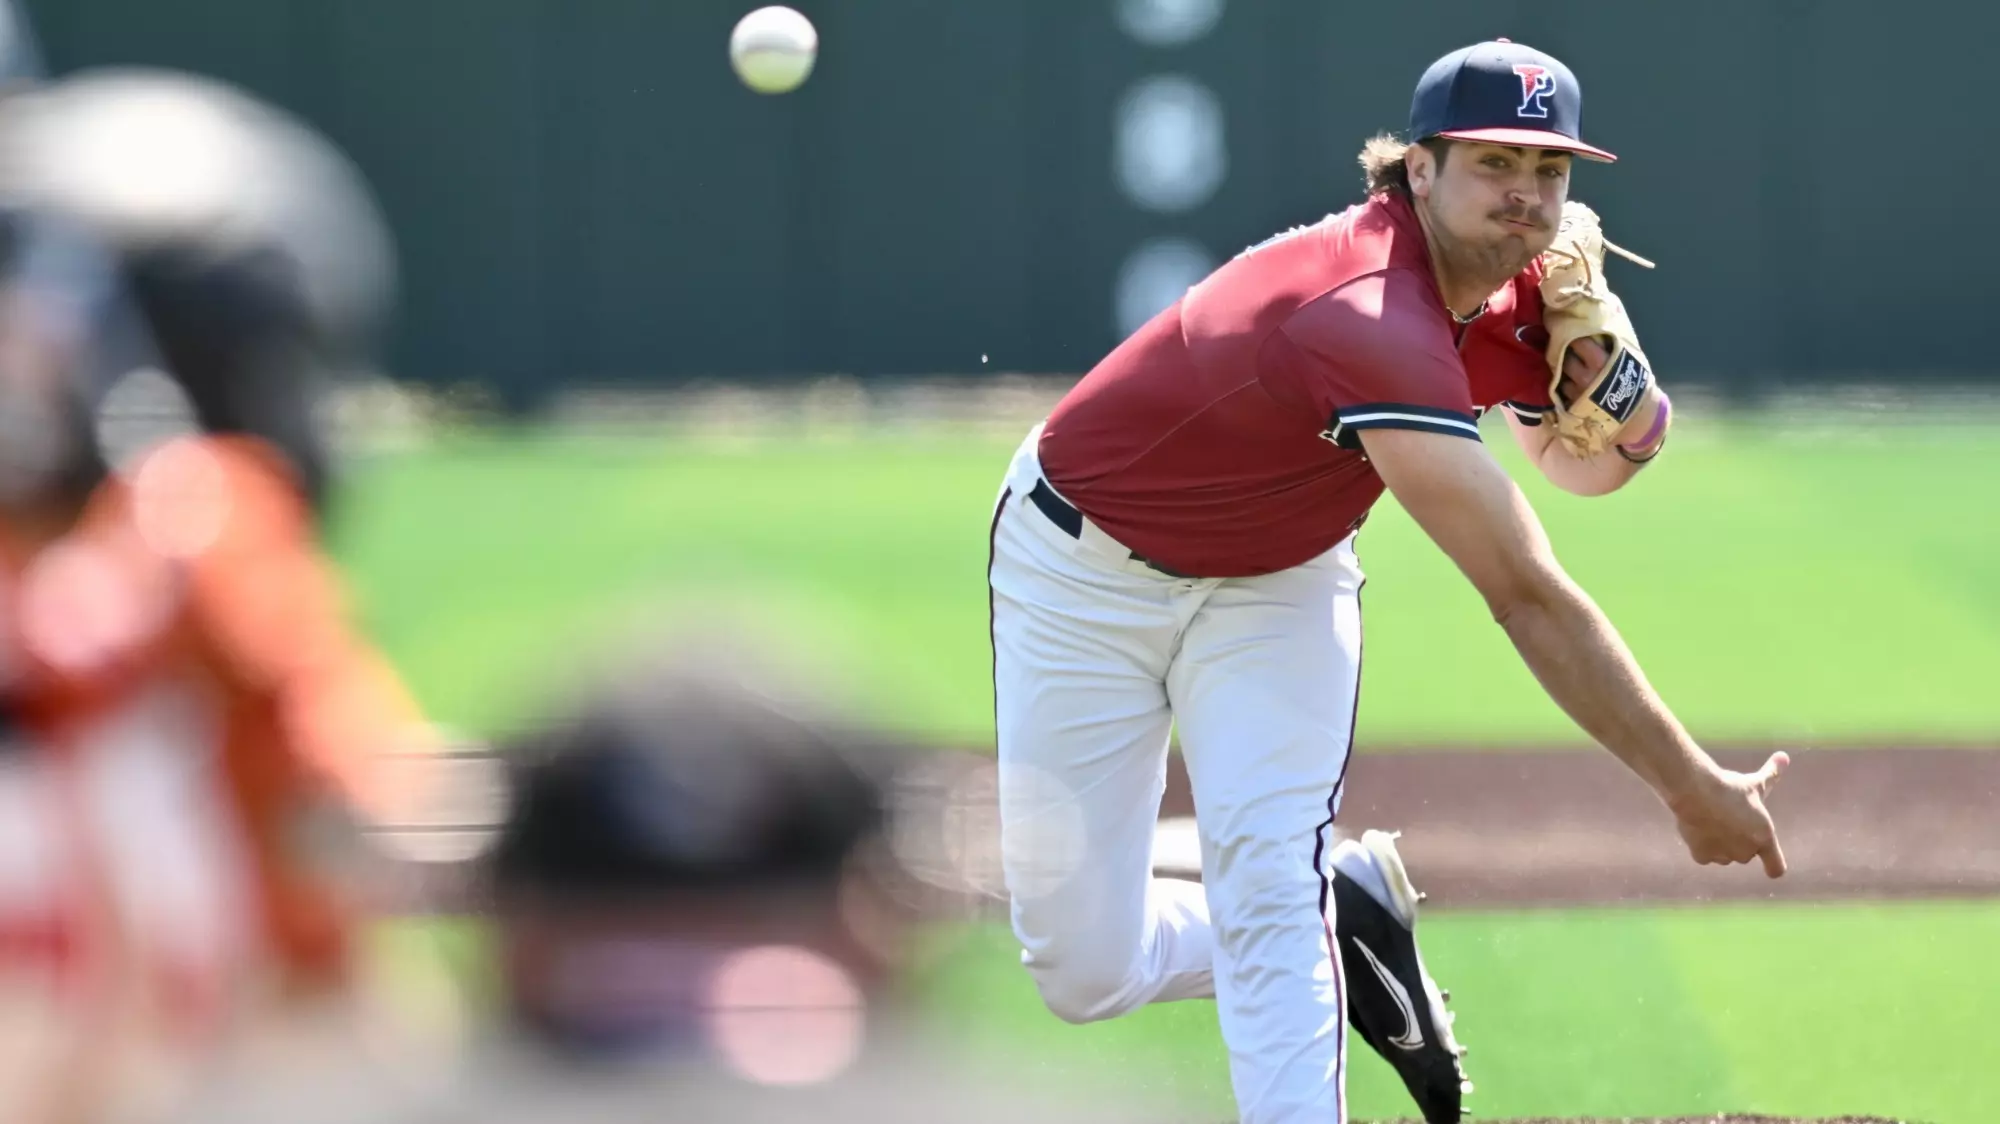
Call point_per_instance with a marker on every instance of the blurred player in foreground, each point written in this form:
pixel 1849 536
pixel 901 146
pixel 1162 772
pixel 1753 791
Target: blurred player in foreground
pixel 703 917
pixel 699 910
pixel 192 730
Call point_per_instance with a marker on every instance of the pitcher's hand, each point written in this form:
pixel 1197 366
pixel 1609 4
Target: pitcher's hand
pixel 1724 821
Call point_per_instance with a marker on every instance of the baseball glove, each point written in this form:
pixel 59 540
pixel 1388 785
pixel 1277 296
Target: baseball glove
pixel 1578 304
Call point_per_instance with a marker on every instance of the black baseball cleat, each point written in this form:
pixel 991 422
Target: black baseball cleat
pixel 1392 1002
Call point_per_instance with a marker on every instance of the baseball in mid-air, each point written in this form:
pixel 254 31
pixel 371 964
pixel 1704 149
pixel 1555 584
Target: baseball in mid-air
pixel 773 49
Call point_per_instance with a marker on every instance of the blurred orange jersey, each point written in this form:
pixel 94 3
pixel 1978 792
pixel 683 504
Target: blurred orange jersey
pixel 182 696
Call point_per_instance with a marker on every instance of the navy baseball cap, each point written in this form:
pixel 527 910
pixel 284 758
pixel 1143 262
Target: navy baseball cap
pixel 1501 92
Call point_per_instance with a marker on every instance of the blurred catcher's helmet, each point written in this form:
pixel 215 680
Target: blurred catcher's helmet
pixel 250 249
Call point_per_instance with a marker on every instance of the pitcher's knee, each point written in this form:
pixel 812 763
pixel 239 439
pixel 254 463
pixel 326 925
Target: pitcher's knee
pixel 1082 993
pixel 1263 887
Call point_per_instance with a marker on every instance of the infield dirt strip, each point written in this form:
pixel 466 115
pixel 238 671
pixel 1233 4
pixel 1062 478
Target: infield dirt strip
pixel 1481 829
pixel 1524 828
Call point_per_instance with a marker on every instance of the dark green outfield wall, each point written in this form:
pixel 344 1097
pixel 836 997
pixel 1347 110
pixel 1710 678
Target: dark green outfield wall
pixel 582 192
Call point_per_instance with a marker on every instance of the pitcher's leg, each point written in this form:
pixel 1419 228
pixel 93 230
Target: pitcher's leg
pixel 1080 653
pixel 1264 691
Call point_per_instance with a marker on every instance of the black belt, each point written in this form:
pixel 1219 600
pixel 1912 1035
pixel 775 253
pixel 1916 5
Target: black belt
pixel 1069 521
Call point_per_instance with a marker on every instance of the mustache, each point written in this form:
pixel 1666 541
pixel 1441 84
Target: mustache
pixel 1533 216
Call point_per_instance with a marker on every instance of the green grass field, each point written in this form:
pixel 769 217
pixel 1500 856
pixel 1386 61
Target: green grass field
pixel 1805 585
pixel 1818 1010
pixel 1831 584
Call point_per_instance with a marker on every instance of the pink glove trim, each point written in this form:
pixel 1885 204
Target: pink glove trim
pixel 1658 427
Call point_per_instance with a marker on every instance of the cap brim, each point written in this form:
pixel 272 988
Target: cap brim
pixel 1532 138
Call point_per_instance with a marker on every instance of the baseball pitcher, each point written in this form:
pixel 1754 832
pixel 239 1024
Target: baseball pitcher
pixel 1175 546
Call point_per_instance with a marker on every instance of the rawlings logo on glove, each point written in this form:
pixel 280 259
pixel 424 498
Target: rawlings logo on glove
pixel 1578 304
pixel 1619 392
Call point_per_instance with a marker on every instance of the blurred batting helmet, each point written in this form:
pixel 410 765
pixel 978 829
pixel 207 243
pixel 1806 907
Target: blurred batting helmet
pixel 190 226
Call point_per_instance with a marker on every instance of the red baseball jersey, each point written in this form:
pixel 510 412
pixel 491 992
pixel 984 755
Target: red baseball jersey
pixel 1221 439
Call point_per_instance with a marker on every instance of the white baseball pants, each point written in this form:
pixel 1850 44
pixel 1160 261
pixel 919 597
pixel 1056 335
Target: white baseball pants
pixel 1095 655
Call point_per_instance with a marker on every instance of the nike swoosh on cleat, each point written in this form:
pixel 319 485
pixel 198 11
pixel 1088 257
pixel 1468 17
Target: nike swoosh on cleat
pixel 1412 1037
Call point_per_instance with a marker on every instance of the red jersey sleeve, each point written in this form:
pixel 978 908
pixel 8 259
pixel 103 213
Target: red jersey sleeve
pixel 1378 353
